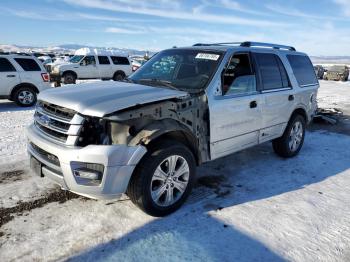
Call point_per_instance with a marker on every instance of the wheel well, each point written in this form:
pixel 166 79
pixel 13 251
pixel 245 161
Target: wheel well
pixel 119 72
pixel 70 71
pixel 14 90
pixel 181 137
pixel 300 111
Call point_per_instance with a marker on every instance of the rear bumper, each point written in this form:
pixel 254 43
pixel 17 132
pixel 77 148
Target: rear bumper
pixel 119 162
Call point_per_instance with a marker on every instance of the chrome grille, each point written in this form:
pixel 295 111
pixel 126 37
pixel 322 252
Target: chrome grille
pixel 58 123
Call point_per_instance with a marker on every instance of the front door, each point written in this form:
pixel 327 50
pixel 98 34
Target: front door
pixel 235 116
pixel 88 68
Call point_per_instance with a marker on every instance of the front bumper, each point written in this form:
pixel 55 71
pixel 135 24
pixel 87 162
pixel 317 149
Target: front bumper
pixel 119 162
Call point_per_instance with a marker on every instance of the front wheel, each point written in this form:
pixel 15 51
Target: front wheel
pixel 163 179
pixel 292 140
pixel 69 78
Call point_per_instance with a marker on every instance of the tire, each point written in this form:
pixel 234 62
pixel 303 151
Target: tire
pixel 25 96
pixel 290 144
pixel 146 182
pixel 69 78
pixel 119 76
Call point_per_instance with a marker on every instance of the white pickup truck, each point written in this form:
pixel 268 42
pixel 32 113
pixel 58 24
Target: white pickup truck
pixel 91 64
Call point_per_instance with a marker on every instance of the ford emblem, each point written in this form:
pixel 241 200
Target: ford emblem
pixel 45 120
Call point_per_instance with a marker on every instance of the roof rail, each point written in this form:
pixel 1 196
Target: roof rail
pixel 274 46
pixel 250 44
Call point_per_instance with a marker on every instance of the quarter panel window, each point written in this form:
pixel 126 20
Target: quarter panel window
pixel 103 60
pixel 302 69
pixel 28 64
pixel 6 66
pixel 120 60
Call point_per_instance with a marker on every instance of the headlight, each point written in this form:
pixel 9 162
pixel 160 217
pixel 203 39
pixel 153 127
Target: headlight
pixel 55 69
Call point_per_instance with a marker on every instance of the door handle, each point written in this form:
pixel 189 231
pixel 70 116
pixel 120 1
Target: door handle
pixel 10 76
pixel 253 104
pixel 291 98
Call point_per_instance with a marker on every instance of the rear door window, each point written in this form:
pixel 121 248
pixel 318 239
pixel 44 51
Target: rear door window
pixel 103 60
pixel 120 60
pixel 303 70
pixel 28 64
pixel 6 66
pixel 272 72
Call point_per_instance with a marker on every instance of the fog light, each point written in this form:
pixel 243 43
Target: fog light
pixel 88 173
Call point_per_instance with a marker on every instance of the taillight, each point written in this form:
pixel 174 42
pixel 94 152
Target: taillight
pixel 46 77
pixel 134 68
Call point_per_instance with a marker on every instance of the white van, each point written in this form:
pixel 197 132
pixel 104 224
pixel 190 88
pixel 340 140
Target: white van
pixel 92 64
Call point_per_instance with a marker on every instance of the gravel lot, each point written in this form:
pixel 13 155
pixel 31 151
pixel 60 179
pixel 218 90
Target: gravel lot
pixel 251 206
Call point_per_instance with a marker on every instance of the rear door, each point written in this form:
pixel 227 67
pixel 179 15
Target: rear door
pixel 9 76
pixel 235 117
pixel 31 71
pixel 104 67
pixel 278 97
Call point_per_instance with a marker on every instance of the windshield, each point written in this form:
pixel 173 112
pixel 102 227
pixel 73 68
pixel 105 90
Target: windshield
pixel 76 59
pixel 182 69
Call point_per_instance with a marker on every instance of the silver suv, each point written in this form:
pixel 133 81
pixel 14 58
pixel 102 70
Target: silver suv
pixel 185 106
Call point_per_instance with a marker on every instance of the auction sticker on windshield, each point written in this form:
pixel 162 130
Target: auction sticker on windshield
pixel 207 56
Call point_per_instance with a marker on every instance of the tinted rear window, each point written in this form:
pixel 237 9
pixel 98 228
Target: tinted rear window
pixel 103 60
pixel 302 69
pixel 120 60
pixel 28 64
pixel 6 66
pixel 272 71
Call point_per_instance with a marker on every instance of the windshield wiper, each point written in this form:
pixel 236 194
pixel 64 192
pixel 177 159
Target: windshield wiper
pixel 158 81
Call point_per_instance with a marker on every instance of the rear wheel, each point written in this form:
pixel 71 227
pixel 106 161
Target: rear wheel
pixel 163 179
pixel 25 96
pixel 292 140
pixel 118 76
pixel 69 78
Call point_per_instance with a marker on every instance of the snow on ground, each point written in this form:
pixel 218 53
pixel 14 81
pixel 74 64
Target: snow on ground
pixel 334 94
pixel 250 206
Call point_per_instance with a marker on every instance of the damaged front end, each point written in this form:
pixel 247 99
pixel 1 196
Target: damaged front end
pixel 184 119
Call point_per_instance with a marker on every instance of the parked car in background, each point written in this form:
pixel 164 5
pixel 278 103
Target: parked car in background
pixel 337 73
pixel 22 77
pixel 92 64
pixel 319 70
pixel 137 63
pixel 45 59
pixel 186 106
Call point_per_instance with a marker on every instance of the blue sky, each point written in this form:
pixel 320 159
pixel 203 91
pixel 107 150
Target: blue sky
pixel 318 27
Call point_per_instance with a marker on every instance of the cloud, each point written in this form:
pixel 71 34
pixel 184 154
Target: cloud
pixel 284 10
pixel 54 15
pixel 171 12
pixel 344 5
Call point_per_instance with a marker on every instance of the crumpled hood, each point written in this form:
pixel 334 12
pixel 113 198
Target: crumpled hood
pixel 102 98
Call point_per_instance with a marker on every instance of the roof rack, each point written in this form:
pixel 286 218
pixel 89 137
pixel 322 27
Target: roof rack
pixel 251 44
pixel 15 53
